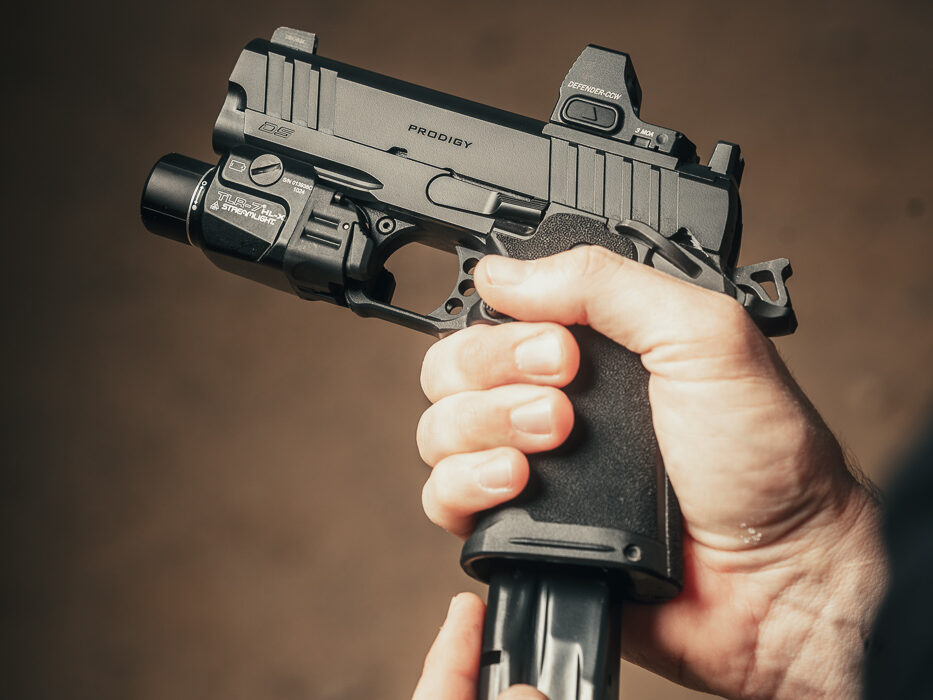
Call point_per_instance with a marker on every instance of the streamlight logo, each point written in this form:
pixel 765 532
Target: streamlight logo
pixel 438 136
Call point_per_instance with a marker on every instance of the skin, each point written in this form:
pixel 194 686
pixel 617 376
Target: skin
pixel 452 665
pixel 784 567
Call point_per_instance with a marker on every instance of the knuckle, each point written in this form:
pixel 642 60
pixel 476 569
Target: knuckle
pixel 459 362
pixel 474 417
pixel 731 313
pixel 732 316
pixel 594 261
pixel 735 327
pixel 473 357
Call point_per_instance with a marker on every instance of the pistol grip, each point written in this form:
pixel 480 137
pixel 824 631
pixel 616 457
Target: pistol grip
pixel 603 498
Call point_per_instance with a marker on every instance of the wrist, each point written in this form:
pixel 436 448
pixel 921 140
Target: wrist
pixel 813 637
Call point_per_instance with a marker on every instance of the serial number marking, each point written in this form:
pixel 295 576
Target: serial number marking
pixel 299 186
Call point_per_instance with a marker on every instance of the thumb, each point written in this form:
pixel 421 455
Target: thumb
pixel 639 307
pixel 522 692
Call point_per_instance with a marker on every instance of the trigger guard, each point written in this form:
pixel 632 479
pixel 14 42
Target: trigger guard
pixel 461 308
pixel 462 297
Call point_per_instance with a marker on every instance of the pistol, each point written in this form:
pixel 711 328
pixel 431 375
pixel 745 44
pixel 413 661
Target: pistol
pixel 327 169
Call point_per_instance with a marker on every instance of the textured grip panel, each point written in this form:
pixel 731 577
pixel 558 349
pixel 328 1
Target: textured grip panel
pixel 608 473
pixel 603 497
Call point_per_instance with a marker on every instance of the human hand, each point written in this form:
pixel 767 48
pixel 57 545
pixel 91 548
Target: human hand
pixel 783 563
pixel 451 667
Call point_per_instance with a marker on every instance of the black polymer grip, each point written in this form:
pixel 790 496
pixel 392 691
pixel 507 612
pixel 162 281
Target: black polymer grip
pixel 603 498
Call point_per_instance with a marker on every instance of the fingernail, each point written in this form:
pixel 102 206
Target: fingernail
pixel 495 475
pixel 539 355
pixel 533 417
pixel 506 271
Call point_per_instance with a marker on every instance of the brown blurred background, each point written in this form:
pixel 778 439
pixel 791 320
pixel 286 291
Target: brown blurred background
pixel 211 489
